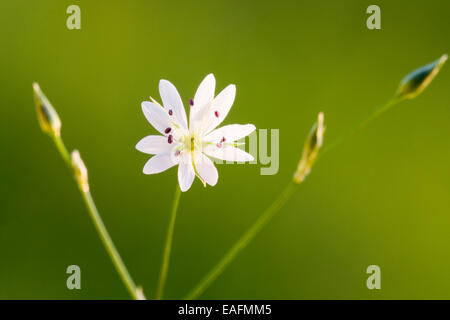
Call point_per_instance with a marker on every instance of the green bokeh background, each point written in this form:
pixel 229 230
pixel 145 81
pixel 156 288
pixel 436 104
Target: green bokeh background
pixel 381 198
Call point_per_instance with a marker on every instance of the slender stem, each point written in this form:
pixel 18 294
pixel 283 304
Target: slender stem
pixel 100 227
pixel 276 206
pixel 360 125
pixel 168 246
pixel 62 149
pixel 109 245
pixel 243 241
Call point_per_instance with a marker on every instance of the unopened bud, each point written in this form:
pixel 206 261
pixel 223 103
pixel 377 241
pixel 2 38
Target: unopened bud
pixel 311 149
pixel 80 171
pixel 47 116
pixel 415 82
pixel 140 293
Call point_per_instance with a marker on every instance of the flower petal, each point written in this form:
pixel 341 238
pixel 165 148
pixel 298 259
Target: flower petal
pixel 186 173
pixel 202 100
pixel 205 91
pixel 206 169
pixel 172 101
pixel 159 163
pixel 156 115
pixel 232 132
pixel 228 153
pixel 219 108
pixel 154 145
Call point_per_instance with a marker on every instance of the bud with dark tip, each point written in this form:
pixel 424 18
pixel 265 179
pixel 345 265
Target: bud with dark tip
pixel 311 149
pixel 415 82
pixel 47 116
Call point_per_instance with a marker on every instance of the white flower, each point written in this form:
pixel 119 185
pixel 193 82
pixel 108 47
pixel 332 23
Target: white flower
pixel 189 146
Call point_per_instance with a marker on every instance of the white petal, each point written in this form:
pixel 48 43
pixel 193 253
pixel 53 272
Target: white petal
pixel 156 115
pixel 159 163
pixel 220 107
pixel 154 145
pixel 186 173
pixel 206 169
pixel 202 100
pixel 205 91
pixel 228 153
pixel 232 132
pixel 172 101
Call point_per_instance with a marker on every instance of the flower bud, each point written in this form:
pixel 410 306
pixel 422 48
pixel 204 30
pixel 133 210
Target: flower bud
pixel 47 116
pixel 415 82
pixel 140 293
pixel 311 149
pixel 80 171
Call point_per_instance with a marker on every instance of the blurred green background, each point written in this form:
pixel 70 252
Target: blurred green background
pixel 381 198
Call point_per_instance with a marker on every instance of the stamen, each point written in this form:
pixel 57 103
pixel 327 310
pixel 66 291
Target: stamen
pixel 170 139
pixel 177 153
pixel 170 112
pixel 191 102
pixel 168 130
pixel 219 145
pixel 223 139
pixel 216 113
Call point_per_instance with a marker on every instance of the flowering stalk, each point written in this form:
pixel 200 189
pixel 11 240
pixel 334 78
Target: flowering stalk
pixel 51 124
pixel 189 144
pixel 168 246
pixel 411 86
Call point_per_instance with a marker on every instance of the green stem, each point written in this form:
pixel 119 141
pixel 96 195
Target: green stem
pixel 276 206
pixel 62 149
pixel 360 125
pixel 100 227
pixel 243 241
pixel 168 246
pixel 109 245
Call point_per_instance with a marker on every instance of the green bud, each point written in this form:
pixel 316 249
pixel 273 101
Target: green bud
pixel 80 171
pixel 311 148
pixel 415 82
pixel 47 116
